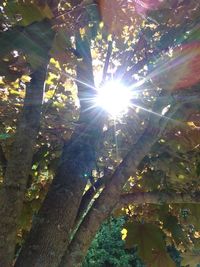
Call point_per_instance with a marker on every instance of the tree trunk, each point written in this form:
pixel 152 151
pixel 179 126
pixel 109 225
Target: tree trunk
pixel 19 165
pixel 109 198
pixel 38 36
pixel 50 233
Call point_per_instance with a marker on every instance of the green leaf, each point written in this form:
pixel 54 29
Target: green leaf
pixel 161 259
pixel 29 12
pixel 170 223
pixel 34 40
pixel 194 214
pixel 4 136
pixel 147 236
pixel 190 258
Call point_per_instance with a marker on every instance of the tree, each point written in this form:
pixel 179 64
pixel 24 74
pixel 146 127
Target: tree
pixel 66 167
pixel 108 249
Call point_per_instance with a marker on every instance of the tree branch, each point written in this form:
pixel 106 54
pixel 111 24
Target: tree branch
pixel 107 60
pixel 157 198
pixel 109 198
pixel 51 232
pixel 3 160
pixel 87 197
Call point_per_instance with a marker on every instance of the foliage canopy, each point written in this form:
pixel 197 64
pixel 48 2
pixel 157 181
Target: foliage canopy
pixel 65 165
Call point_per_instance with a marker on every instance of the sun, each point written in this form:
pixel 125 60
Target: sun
pixel 114 97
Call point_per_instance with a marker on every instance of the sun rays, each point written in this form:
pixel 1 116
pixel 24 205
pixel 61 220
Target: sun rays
pixel 114 97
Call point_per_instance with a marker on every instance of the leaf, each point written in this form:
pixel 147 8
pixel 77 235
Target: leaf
pixel 161 259
pixel 194 214
pixel 170 223
pixel 4 136
pixel 147 236
pixel 117 14
pixel 152 179
pixel 28 11
pixel 143 6
pixel 190 258
pixel 181 70
pixel 186 138
pixel 34 40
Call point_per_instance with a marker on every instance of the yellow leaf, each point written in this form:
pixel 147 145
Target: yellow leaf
pixel 25 78
pixel 51 78
pixel 47 11
pixel 55 63
pixel 1 80
pixel 124 233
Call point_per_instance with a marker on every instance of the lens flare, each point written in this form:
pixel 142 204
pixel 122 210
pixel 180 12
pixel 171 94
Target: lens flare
pixel 114 97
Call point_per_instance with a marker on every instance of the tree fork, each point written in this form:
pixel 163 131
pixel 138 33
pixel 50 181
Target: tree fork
pixel 50 233
pixel 107 201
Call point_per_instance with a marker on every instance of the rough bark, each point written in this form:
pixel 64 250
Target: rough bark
pixel 18 166
pixel 50 233
pixel 51 228
pixel 38 36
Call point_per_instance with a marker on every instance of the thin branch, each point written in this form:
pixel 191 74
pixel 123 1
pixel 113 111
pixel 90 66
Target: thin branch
pixel 3 160
pixel 109 198
pixel 107 60
pixel 87 197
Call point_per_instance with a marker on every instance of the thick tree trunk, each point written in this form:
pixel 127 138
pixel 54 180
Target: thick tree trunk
pixel 38 36
pixel 18 166
pixel 51 229
pixel 50 233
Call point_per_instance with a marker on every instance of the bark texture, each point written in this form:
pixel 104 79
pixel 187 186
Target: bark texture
pixel 50 233
pixel 19 164
pixel 51 229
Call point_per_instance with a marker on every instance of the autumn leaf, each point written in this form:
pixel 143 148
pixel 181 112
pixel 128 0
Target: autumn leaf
pixel 180 70
pixel 190 258
pixel 170 223
pixel 118 14
pixel 28 11
pixel 146 236
pixel 161 259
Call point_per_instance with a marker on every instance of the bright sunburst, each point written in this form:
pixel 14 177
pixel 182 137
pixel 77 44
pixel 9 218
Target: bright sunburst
pixel 114 97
